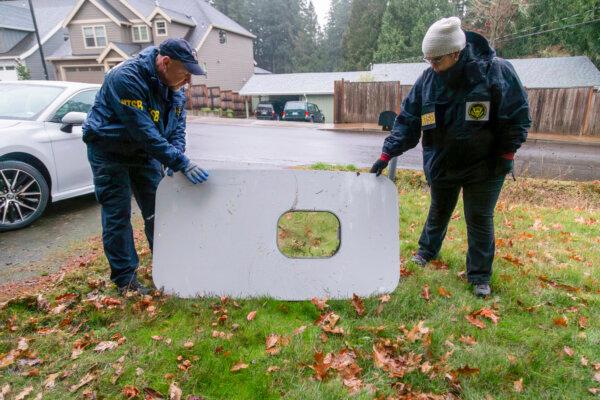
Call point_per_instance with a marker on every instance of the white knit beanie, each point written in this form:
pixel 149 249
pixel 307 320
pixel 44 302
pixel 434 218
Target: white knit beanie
pixel 443 37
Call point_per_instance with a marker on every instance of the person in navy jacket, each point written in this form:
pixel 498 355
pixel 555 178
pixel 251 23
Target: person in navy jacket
pixel 471 113
pixel 135 127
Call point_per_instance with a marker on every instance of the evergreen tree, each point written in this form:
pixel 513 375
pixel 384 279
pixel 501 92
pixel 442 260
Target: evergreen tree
pixel 555 28
pixel 337 22
pixel 360 40
pixel 306 56
pixel 404 25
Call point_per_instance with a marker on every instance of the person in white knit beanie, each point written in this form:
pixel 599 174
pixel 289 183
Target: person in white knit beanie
pixel 471 114
pixel 443 43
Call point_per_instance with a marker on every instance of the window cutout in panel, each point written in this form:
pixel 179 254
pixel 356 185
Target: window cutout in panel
pixel 308 234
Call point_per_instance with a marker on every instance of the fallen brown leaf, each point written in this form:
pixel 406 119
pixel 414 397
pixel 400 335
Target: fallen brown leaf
pixel 175 392
pixel 489 314
pixel 475 321
pixel 425 292
pixel 188 345
pixel 271 344
pixel 561 321
pixel 151 394
pixel 87 378
pixel 299 330
pixel 444 293
pixel 251 315
pixel 321 304
pixel 103 346
pixel 24 393
pixel 50 380
pixel 353 384
pixel 583 321
pixel 4 391
pixel 238 366
pixel 518 385
pixel 468 340
pixel 272 368
pixel 328 321
pixel 358 305
pixel 321 366
pixel 130 391
pixel 464 371
pixel 418 331
pixel 439 264
pixel 568 351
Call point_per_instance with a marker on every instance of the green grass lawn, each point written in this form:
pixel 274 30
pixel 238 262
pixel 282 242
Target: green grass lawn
pixel 539 334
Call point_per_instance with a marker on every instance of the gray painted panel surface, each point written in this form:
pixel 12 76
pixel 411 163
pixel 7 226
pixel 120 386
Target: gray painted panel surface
pixel 220 237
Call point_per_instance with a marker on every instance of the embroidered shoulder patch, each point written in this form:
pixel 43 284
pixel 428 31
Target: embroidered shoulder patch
pixel 428 120
pixel 477 111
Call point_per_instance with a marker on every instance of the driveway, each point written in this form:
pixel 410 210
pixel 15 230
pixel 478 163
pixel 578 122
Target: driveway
pixel 40 249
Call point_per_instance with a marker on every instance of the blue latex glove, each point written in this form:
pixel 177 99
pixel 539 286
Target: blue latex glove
pixel 194 173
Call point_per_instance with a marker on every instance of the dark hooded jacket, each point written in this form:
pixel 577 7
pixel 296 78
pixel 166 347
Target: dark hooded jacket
pixel 134 113
pixel 469 116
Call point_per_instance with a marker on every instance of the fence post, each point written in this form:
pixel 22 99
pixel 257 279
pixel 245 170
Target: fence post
pixel 392 169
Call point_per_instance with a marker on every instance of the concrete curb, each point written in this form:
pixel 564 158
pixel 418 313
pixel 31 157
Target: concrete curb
pixel 243 122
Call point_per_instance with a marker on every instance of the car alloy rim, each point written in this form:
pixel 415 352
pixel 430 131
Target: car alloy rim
pixel 20 196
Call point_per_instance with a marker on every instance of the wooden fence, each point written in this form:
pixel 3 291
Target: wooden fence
pixel 201 96
pixel 565 111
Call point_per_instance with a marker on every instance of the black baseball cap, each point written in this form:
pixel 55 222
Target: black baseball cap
pixel 180 50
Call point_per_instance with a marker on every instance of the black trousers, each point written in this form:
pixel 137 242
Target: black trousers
pixel 479 202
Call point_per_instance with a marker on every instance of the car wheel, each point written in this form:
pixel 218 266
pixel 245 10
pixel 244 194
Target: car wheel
pixel 23 195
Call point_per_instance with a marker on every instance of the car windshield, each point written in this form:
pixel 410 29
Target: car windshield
pixel 18 101
pixel 295 105
pixel 265 106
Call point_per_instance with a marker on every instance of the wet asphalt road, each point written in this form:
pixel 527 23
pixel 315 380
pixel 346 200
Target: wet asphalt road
pixel 40 248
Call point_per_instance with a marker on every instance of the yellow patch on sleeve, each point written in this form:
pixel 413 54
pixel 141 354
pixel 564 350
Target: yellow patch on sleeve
pixel 428 119
pixel 133 103
pixel 155 114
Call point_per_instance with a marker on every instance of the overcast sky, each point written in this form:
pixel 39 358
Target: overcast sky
pixel 322 7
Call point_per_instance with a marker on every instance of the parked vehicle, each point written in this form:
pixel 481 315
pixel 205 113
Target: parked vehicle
pixel 270 111
pixel 302 111
pixel 42 156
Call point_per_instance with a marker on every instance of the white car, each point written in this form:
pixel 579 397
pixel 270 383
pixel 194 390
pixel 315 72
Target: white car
pixel 42 156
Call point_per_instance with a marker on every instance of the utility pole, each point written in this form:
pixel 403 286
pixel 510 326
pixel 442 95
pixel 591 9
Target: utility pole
pixel 39 42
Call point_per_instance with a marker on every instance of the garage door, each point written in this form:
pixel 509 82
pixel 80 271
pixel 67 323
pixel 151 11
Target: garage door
pixel 91 74
pixel 8 72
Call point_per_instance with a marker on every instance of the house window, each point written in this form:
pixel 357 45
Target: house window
pixel 222 37
pixel 140 33
pixel 160 28
pixel 94 36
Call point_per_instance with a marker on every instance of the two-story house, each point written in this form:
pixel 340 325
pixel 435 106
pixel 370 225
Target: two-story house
pixel 18 44
pixel 102 33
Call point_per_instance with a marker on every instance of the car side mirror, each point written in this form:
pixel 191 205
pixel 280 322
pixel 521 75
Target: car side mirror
pixel 70 119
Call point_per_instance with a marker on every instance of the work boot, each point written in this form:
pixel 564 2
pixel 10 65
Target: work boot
pixel 134 286
pixel 482 290
pixel 419 260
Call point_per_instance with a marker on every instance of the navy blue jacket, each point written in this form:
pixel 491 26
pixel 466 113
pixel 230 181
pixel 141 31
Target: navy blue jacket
pixel 469 116
pixel 135 113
